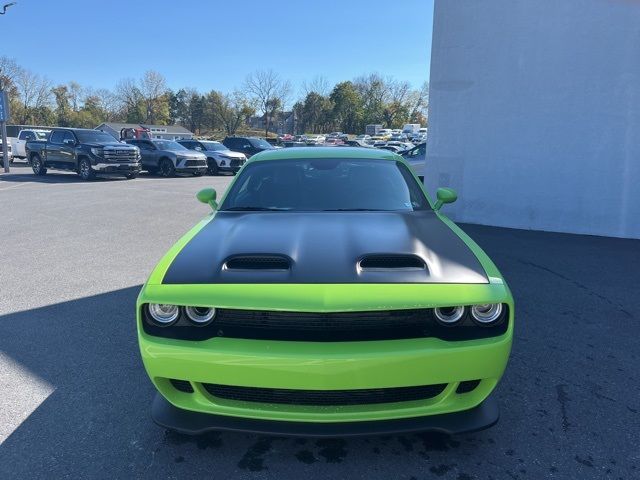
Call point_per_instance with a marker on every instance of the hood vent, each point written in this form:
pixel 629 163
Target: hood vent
pixel 392 262
pixel 257 262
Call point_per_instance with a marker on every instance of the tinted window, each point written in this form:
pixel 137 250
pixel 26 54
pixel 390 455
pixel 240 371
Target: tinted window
pixel 232 143
pixel 68 136
pixel 57 136
pixel 260 143
pixel 213 146
pixel 94 136
pixel 325 185
pixel 168 145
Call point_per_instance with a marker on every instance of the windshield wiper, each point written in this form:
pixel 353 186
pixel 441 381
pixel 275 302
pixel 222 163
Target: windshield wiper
pixel 255 209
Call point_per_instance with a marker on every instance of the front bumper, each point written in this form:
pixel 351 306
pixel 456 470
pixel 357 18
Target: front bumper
pixel 191 165
pixel 324 366
pixel 229 169
pixel 191 170
pixel 478 418
pixel 123 168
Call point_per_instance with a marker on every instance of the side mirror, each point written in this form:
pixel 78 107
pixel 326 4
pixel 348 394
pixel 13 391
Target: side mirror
pixel 445 195
pixel 208 196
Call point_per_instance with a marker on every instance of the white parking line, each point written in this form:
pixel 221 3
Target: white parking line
pixel 16 186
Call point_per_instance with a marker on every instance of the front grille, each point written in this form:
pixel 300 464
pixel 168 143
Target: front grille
pixel 368 396
pixel 467 386
pixel 120 155
pixel 236 162
pixel 182 385
pixel 195 163
pixel 329 327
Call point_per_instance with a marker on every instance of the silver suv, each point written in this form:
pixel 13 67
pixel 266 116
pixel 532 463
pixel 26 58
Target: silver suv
pixel 166 157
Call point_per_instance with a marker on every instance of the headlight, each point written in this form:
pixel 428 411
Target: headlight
pixel 448 315
pixel 96 151
pixel 486 314
pixel 164 314
pixel 200 315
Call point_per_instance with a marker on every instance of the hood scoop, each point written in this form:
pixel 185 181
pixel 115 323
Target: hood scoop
pixel 257 262
pixel 392 262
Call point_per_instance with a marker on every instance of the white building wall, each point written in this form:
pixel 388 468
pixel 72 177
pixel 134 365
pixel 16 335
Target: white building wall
pixel 535 113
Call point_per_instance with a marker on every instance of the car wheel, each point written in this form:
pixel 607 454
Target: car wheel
pixel 85 171
pixel 167 168
pixel 131 176
pixel 37 166
pixel 212 167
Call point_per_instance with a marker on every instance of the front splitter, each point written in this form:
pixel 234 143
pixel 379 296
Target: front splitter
pixel 187 422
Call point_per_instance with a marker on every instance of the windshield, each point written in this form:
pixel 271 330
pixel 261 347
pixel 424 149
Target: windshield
pixel 169 145
pixel 260 143
pixel 325 185
pixel 214 146
pixel 94 137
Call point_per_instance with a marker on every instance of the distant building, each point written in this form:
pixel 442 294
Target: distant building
pixel 168 132
pixel 282 122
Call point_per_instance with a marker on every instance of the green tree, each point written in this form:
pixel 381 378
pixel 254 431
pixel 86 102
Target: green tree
pixel 347 107
pixel 63 111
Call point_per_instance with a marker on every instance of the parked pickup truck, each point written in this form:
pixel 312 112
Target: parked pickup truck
pixel 86 152
pixel 19 144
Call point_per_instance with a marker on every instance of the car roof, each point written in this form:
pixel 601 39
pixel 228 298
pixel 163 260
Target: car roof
pixel 325 152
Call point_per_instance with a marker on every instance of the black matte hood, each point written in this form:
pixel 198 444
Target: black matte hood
pixel 325 247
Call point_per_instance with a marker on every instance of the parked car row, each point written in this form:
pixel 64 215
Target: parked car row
pixel 92 152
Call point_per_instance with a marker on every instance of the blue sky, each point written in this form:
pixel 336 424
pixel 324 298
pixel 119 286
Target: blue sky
pixel 214 45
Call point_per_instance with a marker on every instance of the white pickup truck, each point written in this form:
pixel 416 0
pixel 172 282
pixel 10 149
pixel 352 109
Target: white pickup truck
pixel 26 135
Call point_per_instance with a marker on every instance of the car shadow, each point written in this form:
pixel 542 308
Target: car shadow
pixel 22 173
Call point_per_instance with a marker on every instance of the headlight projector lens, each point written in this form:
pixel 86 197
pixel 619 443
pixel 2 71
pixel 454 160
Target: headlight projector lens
pixel 164 314
pixel 200 315
pixel 486 314
pixel 448 315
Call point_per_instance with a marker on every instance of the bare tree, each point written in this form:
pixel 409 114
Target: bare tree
pixel 153 87
pixel 9 70
pixel 129 97
pixel 267 89
pixel 419 102
pixel 76 95
pixel 106 100
pixel 318 84
pixel 34 93
pixel 231 110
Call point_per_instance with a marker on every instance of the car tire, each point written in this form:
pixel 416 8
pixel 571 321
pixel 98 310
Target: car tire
pixel 131 176
pixel 36 165
pixel 212 167
pixel 166 168
pixel 85 171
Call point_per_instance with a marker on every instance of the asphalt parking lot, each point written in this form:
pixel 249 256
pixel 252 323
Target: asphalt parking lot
pixel 75 399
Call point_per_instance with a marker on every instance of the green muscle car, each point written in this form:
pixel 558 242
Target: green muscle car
pixel 325 295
